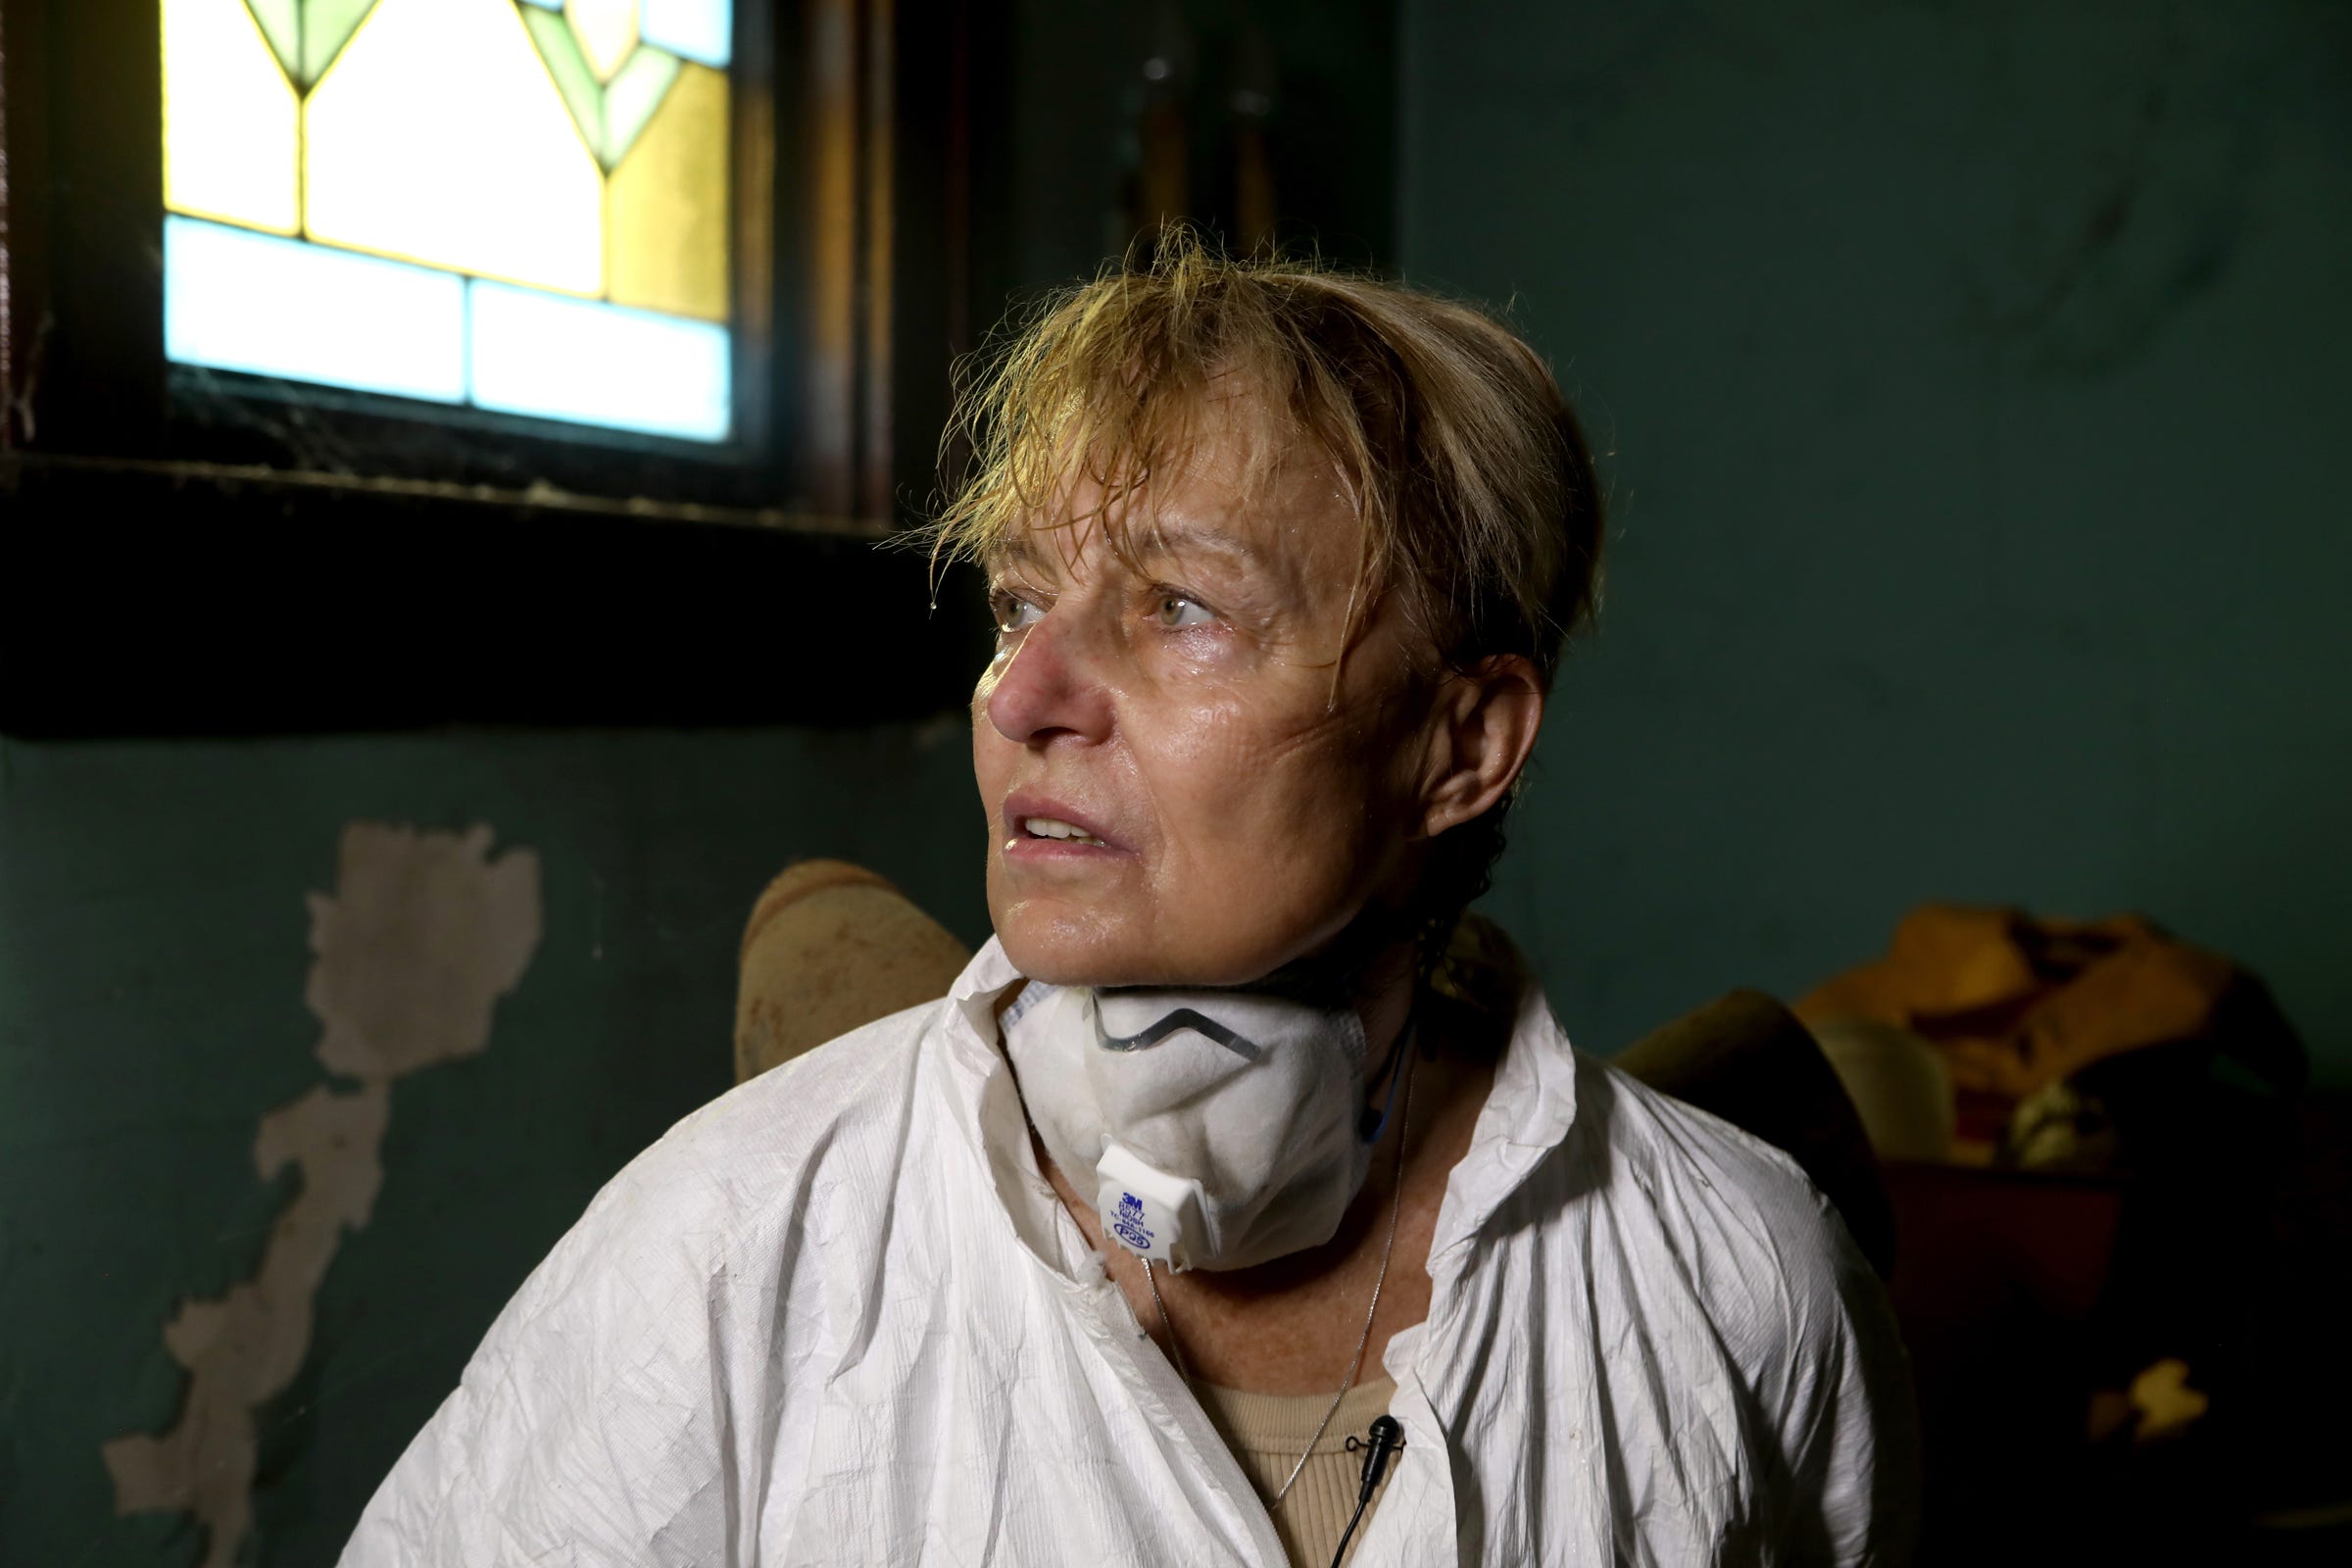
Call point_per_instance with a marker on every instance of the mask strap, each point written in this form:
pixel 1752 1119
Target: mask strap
pixel 1199 1024
pixel 1368 1126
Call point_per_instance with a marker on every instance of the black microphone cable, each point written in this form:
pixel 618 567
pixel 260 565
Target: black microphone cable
pixel 1385 1439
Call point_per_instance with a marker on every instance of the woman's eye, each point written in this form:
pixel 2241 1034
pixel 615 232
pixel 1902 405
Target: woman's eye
pixel 1175 610
pixel 1013 613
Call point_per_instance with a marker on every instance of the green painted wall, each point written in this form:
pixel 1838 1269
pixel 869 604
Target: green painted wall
pixel 1972 380
pixel 152 960
pixel 1068 88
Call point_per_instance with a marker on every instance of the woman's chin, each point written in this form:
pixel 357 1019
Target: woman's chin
pixel 1061 948
pixel 1049 952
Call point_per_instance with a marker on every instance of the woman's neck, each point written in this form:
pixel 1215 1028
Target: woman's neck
pixel 1384 1002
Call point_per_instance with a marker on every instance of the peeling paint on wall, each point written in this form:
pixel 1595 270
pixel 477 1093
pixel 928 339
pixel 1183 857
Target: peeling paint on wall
pixel 422 936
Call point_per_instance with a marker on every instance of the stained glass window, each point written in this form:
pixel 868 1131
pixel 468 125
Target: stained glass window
pixel 516 204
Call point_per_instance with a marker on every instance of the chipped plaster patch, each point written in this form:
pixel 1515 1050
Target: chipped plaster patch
pixel 422 936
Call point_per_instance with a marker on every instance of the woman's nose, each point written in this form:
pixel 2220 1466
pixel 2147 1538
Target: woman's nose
pixel 1052 685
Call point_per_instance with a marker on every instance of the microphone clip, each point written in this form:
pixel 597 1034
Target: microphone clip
pixel 1383 1443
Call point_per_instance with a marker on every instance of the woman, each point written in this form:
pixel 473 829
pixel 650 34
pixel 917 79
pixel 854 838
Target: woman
pixel 1236 1138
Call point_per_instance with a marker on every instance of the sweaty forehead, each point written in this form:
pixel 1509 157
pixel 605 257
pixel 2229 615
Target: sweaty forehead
pixel 1285 515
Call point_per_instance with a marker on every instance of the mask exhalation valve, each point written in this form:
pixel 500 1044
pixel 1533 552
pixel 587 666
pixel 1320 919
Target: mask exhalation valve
pixel 1148 1212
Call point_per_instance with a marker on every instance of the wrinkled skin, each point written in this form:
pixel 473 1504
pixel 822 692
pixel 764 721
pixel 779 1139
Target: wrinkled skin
pixel 1180 703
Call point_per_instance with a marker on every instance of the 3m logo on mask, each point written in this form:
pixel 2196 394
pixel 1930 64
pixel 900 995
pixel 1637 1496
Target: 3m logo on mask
pixel 1148 1212
pixel 1128 1224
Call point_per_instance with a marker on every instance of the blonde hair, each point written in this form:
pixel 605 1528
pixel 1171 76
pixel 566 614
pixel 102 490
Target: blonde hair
pixel 1465 465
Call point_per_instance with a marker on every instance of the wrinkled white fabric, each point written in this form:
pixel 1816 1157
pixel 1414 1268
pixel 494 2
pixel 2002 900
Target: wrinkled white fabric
pixel 838 1317
pixel 1200 1154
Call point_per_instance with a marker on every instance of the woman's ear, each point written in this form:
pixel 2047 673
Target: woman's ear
pixel 1486 720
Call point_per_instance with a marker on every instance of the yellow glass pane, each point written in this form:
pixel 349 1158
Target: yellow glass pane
pixel 438 136
pixel 229 143
pixel 607 30
pixel 666 206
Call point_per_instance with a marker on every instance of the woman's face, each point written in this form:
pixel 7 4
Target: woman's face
pixel 1177 792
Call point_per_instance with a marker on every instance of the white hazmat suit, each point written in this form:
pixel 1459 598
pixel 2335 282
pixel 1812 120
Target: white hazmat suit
pixel 838 1317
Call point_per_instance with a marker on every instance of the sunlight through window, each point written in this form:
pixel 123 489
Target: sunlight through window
pixel 514 204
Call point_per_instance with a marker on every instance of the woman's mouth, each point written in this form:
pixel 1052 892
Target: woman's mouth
pixel 1050 827
pixel 1039 827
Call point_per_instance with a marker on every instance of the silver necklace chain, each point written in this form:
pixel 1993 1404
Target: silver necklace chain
pixel 1355 1364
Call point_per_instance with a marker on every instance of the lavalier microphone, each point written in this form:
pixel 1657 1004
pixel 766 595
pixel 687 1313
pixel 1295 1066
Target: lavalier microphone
pixel 1379 1447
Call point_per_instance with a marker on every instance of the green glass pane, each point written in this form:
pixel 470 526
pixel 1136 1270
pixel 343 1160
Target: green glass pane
pixel 630 99
pixel 607 30
pixel 582 93
pixel 281 24
pixel 326 26
pixel 306 35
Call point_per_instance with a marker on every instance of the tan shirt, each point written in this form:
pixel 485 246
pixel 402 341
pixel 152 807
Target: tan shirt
pixel 1268 1431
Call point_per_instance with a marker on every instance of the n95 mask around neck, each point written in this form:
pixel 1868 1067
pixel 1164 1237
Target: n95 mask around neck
pixel 1218 1129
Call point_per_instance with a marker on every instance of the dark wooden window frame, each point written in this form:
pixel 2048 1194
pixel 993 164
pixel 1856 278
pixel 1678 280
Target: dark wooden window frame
pixel 194 552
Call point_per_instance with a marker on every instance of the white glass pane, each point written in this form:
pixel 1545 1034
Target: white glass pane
pixel 567 359
pixel 440 138
pixel 699 29
pixel 229 127
pixel 241 301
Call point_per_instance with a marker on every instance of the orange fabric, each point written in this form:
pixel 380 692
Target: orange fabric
pixel 2016 1001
